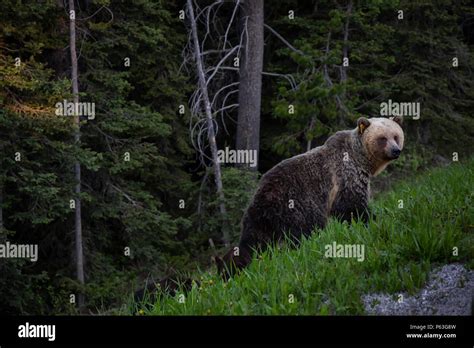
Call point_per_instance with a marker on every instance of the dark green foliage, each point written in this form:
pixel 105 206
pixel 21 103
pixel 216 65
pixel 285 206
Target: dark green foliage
pixel 239 187
pixel 409 59
pixel 401 247
pixel 138 203
pixel 125 203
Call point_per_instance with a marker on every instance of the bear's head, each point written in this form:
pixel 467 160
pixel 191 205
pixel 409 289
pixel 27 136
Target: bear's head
pixel 232 262
pixel 382 139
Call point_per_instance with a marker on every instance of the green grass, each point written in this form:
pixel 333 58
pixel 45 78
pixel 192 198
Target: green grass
pixel 401 247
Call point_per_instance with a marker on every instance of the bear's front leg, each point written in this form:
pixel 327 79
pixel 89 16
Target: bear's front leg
pixel 365 215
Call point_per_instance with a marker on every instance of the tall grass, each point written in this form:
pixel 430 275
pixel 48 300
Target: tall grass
pixel 402 244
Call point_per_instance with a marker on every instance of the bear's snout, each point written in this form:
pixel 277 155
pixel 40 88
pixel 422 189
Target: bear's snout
pixel 395 153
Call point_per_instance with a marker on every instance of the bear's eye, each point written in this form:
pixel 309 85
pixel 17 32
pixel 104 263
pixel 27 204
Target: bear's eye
pixel 396 138
pixel 382 139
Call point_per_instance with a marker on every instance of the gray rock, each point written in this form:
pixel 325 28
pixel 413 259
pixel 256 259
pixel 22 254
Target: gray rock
pixel 449 291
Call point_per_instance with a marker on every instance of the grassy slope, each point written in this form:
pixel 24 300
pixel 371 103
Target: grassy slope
pixel 401 247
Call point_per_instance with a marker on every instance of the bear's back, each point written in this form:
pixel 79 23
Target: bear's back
pixel 291 195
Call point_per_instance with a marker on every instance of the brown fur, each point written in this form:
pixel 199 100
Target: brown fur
pixel 320 183
pixel 332 193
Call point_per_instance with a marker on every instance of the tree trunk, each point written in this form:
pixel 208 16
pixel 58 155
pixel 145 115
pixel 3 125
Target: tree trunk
pixel 210 126
pixel 77 165
pixel 345 48
pixel 250 86
pixel 339 102
pixel 1 207
pixel 310 128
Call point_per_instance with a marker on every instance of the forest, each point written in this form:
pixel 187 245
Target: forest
pixel 183 106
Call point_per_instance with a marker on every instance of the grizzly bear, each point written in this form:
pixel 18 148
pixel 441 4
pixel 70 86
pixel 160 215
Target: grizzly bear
pixel 300 193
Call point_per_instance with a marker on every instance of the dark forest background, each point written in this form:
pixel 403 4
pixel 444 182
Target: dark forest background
pixel 163 204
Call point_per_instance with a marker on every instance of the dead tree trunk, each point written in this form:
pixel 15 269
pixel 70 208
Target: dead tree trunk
pixel 310 129
pixel 1 207
pixel 210 125
pixel 77 165
pixel 339 101
pixel 345 46
pixel 250 83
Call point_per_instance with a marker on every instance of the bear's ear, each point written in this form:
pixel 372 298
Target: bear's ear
pixel 397 119
pixel 362 124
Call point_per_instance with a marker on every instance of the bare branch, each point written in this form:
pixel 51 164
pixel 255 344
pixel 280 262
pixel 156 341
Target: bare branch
pixel 288 77
pixel 220 63
pixel 130 199
pixel 230 22
pixel 100 9
pixel 226 107
pixel 220 90
pixel 284 41
pixel 204 53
